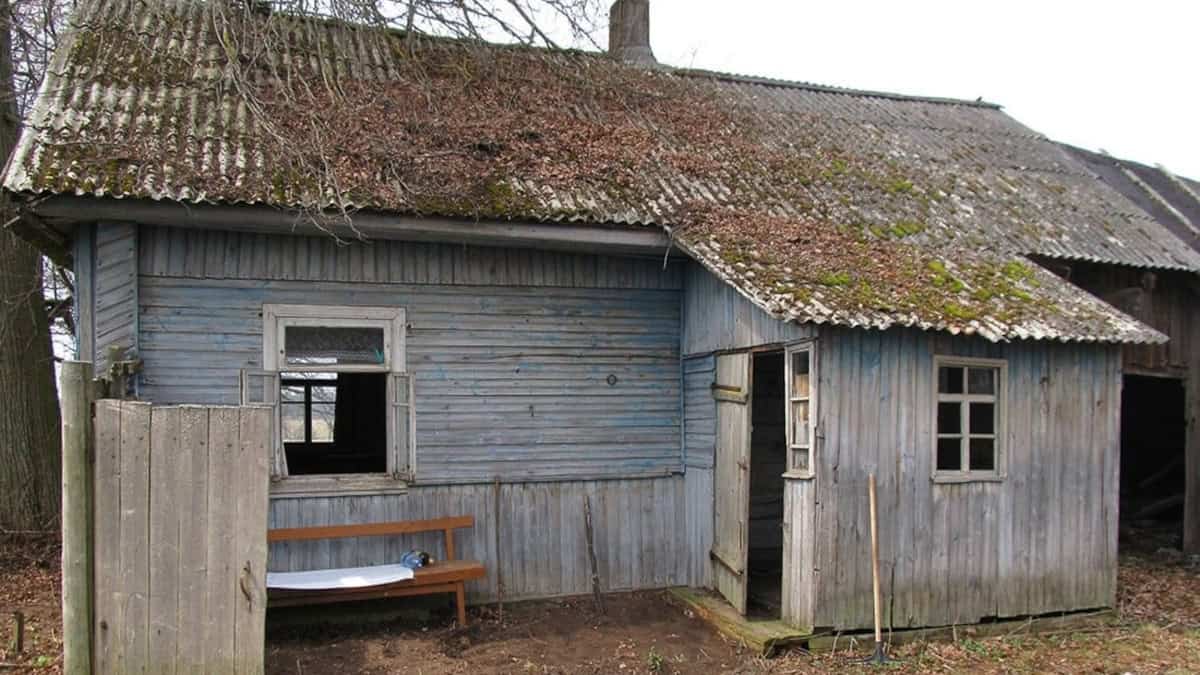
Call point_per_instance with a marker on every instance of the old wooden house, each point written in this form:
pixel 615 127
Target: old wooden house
pixel 493 280
pixel 1160 443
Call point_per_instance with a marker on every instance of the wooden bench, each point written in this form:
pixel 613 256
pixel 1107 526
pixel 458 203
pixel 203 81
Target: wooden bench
pixel 447 575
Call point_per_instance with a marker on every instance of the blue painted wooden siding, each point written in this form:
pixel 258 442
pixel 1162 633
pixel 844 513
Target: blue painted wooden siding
pixel 204 254
pixel 512 350
pixel 114 285
pixel 699 411
pixel 699 442
pixel 718 318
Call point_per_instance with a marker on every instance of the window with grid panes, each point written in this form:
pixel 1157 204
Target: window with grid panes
pixel 342 394
pixel 969 419
pixel 800 373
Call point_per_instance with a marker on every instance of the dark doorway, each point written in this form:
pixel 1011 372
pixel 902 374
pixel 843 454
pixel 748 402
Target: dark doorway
pixel 768 461
pixel 1152 457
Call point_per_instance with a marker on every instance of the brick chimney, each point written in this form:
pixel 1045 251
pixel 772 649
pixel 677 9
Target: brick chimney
pixel 629 32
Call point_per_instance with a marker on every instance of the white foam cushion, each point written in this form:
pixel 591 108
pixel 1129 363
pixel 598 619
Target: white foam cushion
pixel 344 577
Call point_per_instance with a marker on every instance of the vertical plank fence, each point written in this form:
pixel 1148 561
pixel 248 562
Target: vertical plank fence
pixel 179 550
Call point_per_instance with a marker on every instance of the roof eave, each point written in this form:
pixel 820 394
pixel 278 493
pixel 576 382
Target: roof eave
pixel 592 238
pixel 51 241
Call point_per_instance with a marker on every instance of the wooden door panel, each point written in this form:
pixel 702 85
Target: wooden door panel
pixel 731 478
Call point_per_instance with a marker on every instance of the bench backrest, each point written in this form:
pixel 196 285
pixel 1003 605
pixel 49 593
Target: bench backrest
pixel 445 525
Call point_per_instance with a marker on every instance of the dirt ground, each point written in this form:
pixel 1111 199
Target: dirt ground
pixel 29 584
pixel 1158 632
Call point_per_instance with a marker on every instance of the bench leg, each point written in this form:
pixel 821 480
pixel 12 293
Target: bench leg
pixel 460 600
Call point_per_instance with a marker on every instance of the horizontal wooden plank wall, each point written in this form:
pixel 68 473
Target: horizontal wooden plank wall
pixel 180 538
pixel 115 289
pixel 1042 540
pixel 512 350
pixel 717 318
pixel 640 535
pixel 699 411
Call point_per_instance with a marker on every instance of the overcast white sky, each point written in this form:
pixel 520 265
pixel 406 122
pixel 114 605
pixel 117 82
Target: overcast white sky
pixel 1118 75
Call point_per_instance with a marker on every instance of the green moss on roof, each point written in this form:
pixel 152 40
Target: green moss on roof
pixel 760 183
pixel 838 278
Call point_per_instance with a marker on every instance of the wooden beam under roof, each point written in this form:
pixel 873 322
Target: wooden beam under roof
pixel 633 240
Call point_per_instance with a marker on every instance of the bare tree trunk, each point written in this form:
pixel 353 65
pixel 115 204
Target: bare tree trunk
pixel 29 432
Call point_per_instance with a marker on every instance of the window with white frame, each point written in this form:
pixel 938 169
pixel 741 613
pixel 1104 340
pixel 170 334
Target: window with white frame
pixel 342 394
pixel 969 418
pixel 800 376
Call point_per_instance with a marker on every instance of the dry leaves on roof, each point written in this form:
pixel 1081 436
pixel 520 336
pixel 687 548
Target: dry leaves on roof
pixel 860 211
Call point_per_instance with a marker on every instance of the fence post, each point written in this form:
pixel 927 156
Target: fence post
pixel 77 398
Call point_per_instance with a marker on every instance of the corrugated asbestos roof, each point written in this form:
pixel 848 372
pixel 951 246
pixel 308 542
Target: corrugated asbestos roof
pixel 1174 201
pixel 819 204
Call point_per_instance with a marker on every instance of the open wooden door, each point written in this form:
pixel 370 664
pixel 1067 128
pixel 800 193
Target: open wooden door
pixel 731 478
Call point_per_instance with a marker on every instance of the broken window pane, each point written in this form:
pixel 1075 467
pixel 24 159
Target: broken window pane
pixel 983 418
pixel 981 381
pixel 949 454
pixel 983 454
pixel 949 419
pixel 292 393
pixel 950 380
pixel 331 346
pixel 318 375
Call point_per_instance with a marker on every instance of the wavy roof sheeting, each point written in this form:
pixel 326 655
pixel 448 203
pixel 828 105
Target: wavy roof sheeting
pixel 819 204
pixel 1174 201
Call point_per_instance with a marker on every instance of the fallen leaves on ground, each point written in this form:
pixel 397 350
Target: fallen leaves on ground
pixel 29 584
pixel 1157 631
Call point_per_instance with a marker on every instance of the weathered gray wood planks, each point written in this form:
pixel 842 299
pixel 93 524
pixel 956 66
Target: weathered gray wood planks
pixel 108 604
pixel 731 480
pixel 114 284
pixel 640 535
pixel 512 350
pixel 180 529
pixel 77 503
pixel 717 318
pixel 1042 539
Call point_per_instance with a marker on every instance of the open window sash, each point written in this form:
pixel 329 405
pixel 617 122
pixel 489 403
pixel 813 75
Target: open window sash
pixel 401 426
pixel 261 387
pixel 800 377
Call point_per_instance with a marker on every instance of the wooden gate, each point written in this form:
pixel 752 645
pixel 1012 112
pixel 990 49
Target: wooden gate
pixel 180 548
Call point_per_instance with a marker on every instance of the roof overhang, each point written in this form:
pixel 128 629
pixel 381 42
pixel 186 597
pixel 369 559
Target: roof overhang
pixel 56 217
